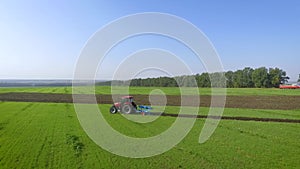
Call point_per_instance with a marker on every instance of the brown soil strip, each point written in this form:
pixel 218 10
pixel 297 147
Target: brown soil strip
pixel 231 118
pixel 251 102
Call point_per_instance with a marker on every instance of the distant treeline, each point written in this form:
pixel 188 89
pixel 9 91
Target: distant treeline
pixel 245 78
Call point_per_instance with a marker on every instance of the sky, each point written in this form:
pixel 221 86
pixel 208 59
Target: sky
pixel 42 39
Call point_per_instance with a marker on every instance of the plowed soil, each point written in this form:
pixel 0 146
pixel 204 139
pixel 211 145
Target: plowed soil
pixel 251 102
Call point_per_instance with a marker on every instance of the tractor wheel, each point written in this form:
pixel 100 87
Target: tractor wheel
pixel 126 109
pixel 113 110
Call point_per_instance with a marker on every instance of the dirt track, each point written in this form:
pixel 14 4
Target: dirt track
pixel 231 118
pixel 253 102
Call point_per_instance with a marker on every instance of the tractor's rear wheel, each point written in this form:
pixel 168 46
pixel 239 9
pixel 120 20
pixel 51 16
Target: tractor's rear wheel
pixel 113 110
pixel 126 109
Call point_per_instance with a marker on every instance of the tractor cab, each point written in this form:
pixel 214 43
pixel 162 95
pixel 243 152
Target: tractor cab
pixel 125 105
pixel 126 99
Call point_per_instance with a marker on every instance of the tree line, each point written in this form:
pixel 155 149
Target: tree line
pixel 246 78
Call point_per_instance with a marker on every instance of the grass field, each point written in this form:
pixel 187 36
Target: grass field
pixel 166 90
pixel 48 135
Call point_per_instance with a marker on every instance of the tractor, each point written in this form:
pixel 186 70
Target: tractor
pixel 126 105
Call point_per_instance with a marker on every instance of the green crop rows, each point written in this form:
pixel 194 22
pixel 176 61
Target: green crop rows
pixel 48 135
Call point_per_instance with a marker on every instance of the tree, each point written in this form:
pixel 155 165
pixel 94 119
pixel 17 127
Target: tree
pixel 237 78
pixel 260 77
pixel 229 79
pixel 277 77
pixel 299 78
pixel 243 78
pixel 218 79
pixel 247 77
pixel 203 80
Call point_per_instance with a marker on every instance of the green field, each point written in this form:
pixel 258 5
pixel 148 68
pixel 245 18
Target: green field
pixel 48 135
pixel 166 90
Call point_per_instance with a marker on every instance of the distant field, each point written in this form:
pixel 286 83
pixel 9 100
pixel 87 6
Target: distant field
pixel 48 135
pixel 166 90
pixel 65 90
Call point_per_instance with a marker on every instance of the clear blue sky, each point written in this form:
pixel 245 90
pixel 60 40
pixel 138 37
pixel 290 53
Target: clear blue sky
pixel 42 39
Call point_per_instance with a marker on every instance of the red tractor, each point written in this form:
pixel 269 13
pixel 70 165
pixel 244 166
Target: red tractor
pixel 126 105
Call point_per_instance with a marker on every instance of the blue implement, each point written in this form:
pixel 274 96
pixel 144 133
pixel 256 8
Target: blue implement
pixel 144 109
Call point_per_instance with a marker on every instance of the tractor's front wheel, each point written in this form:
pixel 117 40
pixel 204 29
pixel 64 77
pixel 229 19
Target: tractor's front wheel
pixel 126 109
pixel 113 110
